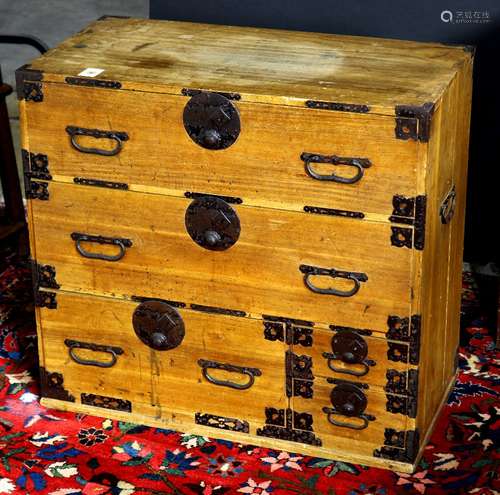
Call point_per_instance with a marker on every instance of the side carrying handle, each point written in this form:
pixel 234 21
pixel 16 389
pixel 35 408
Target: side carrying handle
pixel 117 241
pixel 447 209
pixel 359 165
pixel 117 136
pixel 331 413
pixel 310 271
pixel 111 350
pixel 250 372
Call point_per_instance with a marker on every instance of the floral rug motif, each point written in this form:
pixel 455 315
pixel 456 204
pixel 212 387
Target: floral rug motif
pixel 50 452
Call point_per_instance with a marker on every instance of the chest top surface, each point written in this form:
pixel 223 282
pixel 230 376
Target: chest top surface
pixel 262 65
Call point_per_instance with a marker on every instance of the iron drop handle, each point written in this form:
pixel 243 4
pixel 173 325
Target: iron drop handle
pixel 117 241
pixel 310 271
pixel 330 412
pixel 447 209
pixel 111 350
pixel 117 136
pixel 359 164
pixel 250 372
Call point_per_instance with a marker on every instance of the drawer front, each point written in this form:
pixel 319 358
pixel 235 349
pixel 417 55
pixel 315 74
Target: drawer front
pixel 218 367
pixel 350 355
pixel 360 432
pixel 149 148
pixel 266 270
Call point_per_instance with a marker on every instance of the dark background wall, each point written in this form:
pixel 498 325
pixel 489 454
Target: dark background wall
pixel 474 22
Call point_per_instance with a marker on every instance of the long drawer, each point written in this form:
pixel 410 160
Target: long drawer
pixel 315 267
pixel 94 351
pixel 265 165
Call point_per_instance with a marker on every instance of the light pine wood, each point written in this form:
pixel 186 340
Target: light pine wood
pixel 258 274
pixel 274 72
pixel 171 379
pixel 161 156
pixel 377 352
pixel 263 65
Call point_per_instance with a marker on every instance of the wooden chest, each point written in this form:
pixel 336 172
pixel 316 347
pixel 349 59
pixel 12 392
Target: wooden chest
pixel 250 234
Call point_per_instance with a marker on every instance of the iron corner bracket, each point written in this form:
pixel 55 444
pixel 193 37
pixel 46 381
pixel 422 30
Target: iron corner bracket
pixel 414 121
pixel 402 446
pixel 28 85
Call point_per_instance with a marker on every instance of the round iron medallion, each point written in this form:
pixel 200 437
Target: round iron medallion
pixel 349 347
pixel 348 399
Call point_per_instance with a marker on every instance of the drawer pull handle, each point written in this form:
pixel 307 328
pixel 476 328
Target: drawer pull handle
pixel 117 241
pixel 311 271
pixel 117 136
pixel 250 372
pixel 447 209
pixel 359 164
pixel 111 350
pixel 343 424
pixel 350 348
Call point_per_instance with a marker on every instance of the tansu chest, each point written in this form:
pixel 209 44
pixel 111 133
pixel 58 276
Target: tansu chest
pixel 247 233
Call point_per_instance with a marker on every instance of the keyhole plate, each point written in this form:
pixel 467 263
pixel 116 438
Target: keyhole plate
pixel 158 325
pixel 211 120
pixel 212 223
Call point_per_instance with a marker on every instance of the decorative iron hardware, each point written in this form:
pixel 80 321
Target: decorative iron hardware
pixel 113 351
pixel 227 199
pixel 399 446
pixel 299 376
pixel 100 183
pixel 211 120
pixel 99 239
pixel 93 83
pixel 291 321
pixel 360 331
pixel 310 271
pixel 158 325
pixel 447 208
pixel 402 382
pixel 398 404
pixel 24 89
pixel 218 311
pixel 36 190
pixel 404 330
pixel 52 386
pixel 117 136
pixel 285 424
pixel 343 381
pixel 286 331
pixel 330 211
pixel 340 107
pixel 359 164
pixel 212 223
pixel 397 352
pixel 193 92
pixel 408 211
pixel 222 422
pixel 106 402
pixel 348 400
pixel 45 299
pixel 250 372
pixel 35 165
pixel 402 237
pixel 175 304
pixel 350 348
pixel 414 122
pixel 45 276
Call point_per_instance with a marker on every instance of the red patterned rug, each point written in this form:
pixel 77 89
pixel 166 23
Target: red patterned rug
pixel 50 452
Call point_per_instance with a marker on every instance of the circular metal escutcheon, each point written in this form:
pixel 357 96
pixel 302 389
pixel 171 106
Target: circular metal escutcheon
pixel 349 347
pixel 212 223
pixel 348 399
pixel 158 325
pixel 211 120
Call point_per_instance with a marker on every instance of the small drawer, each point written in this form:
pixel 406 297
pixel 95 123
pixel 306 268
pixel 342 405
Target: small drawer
pixel 161 361
pixel 208 252
pixel 349 416
pixel 271 155
pixel 348 354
